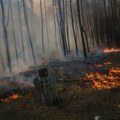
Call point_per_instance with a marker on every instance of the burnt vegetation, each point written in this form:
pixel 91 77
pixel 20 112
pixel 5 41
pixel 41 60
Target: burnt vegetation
pixel 90 22
pixel 97 20
pixel 84 88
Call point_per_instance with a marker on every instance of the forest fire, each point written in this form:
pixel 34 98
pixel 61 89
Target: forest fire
pixel 107 81
pixel 107 50
pixel 107 63
pixel 14 96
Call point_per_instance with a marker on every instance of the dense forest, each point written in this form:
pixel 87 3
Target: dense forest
pixel 59 60
pixel 34 29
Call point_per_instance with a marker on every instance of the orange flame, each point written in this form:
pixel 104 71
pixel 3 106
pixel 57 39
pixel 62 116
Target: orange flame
pixel 112 80
pixel 107 63
pixel 98 66
pixel 10 98
pixel 107 50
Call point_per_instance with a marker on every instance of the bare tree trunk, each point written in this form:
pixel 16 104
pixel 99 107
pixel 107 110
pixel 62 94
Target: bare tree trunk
pixel 83 22
pixel 54 13
pixel 5 36
pixel 42 26
pixel 46 21
pixel 13 29
pixel 2 61
pixel 32 26
pixel 81 28
pixel 59 28
pixel 21 33
pixel 67 28
pixel 62 27
pixel 27 26
pixel 75 38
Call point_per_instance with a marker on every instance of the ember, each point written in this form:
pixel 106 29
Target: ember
pixel 115 70
pixel 107 63
pixel 98 66
pixel 107 50
pixel 99 81
pixel 10 98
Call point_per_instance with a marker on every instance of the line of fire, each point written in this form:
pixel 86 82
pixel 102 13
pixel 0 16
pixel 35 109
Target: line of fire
pixel 59 60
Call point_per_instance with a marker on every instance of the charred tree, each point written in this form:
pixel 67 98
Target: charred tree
pixel 62 25
pixel 73 28
pixel 81 28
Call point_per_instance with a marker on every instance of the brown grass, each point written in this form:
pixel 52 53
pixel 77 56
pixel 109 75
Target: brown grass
pixel 76 104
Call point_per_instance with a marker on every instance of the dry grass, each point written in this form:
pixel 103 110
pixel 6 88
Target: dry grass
pixel 76 104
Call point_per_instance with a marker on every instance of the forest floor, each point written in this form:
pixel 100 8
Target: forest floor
pixel 85 96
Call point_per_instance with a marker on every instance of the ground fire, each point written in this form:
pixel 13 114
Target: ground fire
pixel 105 74
pixel 104 81
pixel 12 97
pixel 107 50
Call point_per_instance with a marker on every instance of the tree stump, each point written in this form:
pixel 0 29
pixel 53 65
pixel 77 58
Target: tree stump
pixel 44 86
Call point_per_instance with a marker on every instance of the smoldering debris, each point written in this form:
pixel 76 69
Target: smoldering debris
pixel 74 69
pixel 21 80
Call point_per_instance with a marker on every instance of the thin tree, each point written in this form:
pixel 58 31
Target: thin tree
pixel 21 30
pixel 73 28
pixel 28 30
pixel 13 31
pixel 42 25
pixel 5 36
pixel 81 28
pixel 62 26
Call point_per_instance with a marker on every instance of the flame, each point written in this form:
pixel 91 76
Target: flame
pixel 115 70
pixel 98 66
pixel 10 98
pixel 99 81
pixel 107 50
pixel 107 63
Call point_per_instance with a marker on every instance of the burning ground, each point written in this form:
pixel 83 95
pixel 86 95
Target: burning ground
pixel 92 88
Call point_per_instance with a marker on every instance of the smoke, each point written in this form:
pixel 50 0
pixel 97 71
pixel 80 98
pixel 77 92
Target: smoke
pixel 36 5
pixel 51 34
pixel 21 80
pixel 34 22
